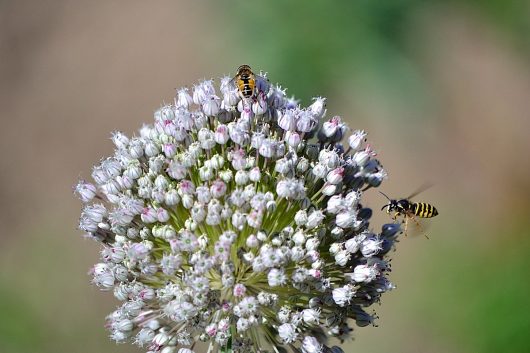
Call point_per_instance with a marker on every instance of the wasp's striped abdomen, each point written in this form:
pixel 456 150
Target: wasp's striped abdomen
pixel 424 210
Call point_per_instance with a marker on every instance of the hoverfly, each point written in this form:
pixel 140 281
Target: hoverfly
pixel 246 82
pixel 410 210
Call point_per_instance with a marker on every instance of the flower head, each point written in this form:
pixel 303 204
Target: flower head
pixel 237 221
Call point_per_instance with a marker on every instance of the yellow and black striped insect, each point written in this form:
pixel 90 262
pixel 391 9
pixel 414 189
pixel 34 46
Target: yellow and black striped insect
pixel 245 81
pixel 410 211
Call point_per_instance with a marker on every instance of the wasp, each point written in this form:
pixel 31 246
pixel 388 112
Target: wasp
pixel 410 211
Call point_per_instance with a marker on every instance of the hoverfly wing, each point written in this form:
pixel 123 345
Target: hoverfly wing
pixel 262 82
pixel 232 84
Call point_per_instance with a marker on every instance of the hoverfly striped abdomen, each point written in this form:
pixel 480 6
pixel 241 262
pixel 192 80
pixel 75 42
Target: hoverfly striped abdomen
pixel 424 210
pixel 246 87
pixel 246 82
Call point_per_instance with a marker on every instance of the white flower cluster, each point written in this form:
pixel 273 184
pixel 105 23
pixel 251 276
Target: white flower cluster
pixel 238 223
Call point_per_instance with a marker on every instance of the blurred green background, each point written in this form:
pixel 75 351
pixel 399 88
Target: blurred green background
pixel 442 87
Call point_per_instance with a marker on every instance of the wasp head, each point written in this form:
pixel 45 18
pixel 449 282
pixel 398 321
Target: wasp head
pixel 391 206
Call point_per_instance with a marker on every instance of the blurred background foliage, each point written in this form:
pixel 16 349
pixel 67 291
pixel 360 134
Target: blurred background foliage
pixel 442 87
pixel 323 43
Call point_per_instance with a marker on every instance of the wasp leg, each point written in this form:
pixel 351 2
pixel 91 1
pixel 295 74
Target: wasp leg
pixel 419 226
pixel 406 221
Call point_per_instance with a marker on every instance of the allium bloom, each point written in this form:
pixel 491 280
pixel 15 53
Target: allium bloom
pixel 237 223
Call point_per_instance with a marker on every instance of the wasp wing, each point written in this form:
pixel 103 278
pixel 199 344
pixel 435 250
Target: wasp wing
pixel 421 189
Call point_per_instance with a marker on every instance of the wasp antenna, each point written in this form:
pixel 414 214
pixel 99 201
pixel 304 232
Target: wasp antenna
pixel 382 193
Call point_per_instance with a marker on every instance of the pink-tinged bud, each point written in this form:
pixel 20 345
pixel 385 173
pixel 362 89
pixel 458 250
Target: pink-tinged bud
pixel 239 290
pixel 315 273
pixel 147 294
pixel 211 330
pixel 148 215
pixel 221 134
pixel 218 189
pixel 169 149
pixel 329 128
pixel 247 113
pixel 186 187
pixel 224 324
pixel 166 126
pixel 335 176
